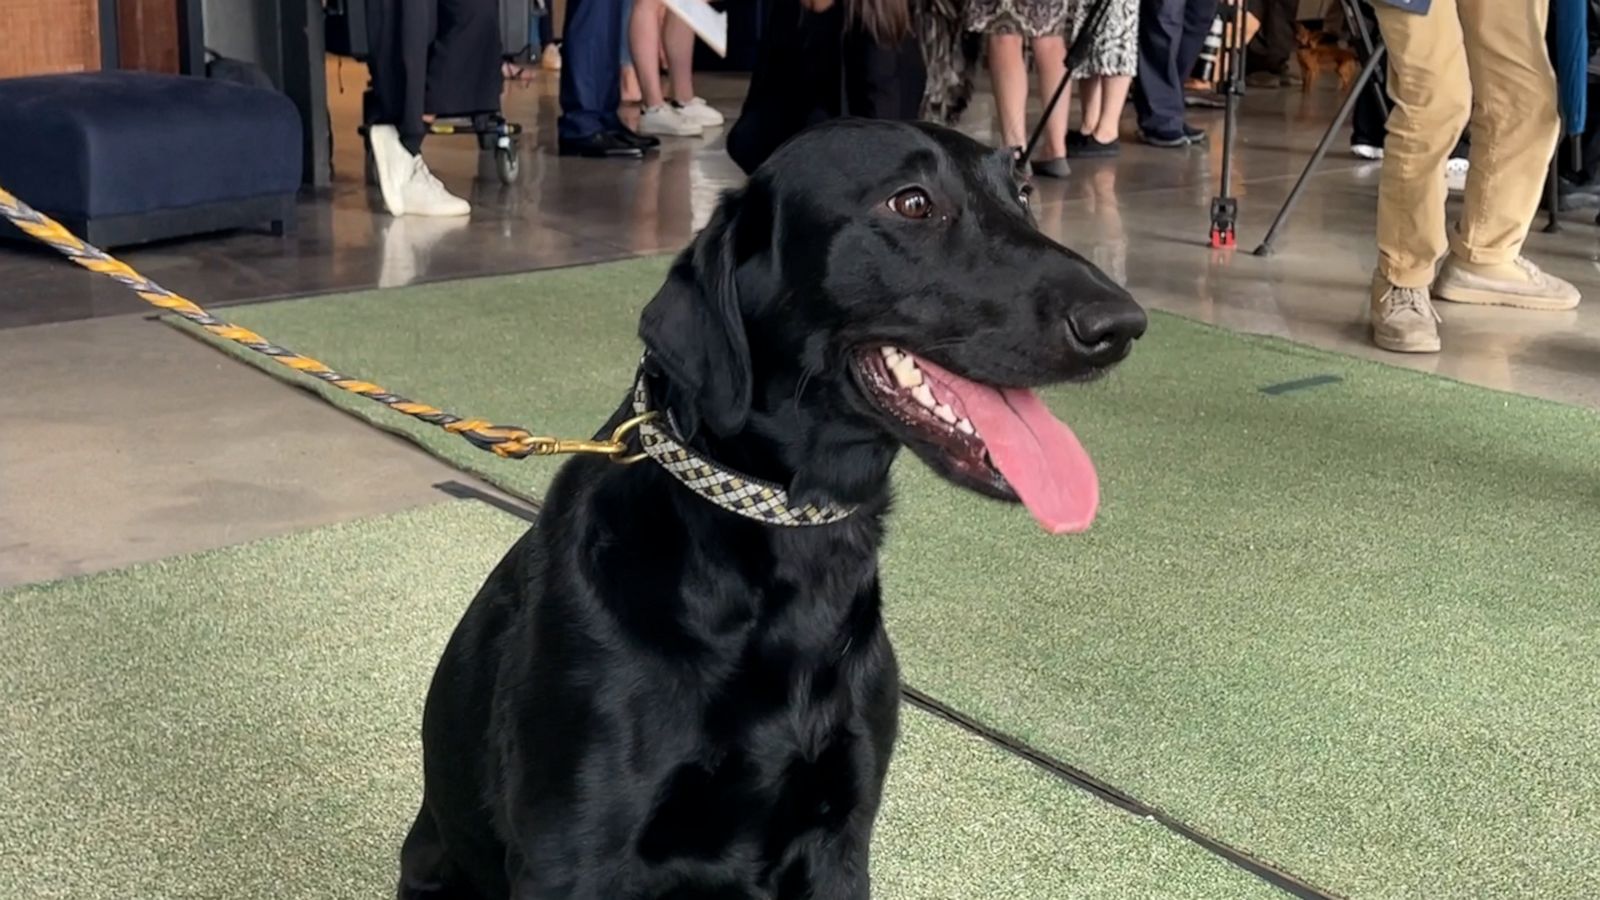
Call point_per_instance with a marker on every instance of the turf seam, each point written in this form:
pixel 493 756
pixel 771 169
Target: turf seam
pixel 1015 748
pixel 1267 872
pixel 522 507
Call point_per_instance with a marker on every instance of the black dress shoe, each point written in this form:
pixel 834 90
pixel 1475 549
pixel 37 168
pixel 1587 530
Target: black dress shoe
pixel 642 141
pixel 601 145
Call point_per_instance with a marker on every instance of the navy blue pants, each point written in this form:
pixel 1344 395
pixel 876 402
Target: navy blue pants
pixel 591 68
pixel 1171 35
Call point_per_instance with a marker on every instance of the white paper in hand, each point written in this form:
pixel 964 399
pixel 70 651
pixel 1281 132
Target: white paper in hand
pixel 710 25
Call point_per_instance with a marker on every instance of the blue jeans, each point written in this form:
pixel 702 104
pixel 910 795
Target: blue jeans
pixel 591 68
pixel 1171 34
pixel 627 18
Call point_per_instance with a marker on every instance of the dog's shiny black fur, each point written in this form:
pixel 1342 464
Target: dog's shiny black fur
pixel 654 699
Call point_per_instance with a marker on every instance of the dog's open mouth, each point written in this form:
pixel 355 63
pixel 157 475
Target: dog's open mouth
pixel 1003 441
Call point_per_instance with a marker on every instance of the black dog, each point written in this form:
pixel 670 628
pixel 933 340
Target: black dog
pixel 653 697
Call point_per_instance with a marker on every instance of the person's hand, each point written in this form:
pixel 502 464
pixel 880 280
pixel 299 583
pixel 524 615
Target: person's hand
pixel 817 6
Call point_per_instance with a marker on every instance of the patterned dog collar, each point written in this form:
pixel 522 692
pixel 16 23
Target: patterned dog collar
pixel 752 498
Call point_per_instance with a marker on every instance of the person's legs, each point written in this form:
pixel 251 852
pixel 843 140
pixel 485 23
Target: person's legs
pixel 464 59
pixel 1050 59
pixel 591 68
pixel 1198 15
pixel 644 42
pixel 1432 96
pixel 1369 121
pixel 1158 98
pixel 1010 76
pixel 1113 97
pixel 1516 123
pixel 1269 52
pixel 1089 96
pixel 650 30
pixel 1428 83
pixel 679 40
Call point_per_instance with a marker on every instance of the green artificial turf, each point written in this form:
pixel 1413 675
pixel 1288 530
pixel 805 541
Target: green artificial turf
pixel 1351 628
pixel 242 724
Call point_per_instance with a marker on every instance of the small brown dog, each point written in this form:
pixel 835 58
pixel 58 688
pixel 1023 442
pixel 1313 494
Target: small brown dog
pixel 1321 52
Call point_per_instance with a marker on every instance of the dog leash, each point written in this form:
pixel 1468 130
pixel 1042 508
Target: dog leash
pixel 509 442
pixel 752 498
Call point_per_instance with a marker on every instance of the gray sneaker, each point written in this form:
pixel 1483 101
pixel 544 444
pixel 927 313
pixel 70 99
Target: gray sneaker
pixel 1403 319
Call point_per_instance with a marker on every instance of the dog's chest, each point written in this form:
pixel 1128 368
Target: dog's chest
pixel 756 800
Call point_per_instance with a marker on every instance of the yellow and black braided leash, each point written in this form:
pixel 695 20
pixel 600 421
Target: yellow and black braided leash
pixel 740 494
pixel 506 441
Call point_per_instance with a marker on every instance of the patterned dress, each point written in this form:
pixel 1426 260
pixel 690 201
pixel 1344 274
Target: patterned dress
pixel 1115 47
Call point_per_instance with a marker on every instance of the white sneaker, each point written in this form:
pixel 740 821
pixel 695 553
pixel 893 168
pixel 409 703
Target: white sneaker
pixel 1366 151
pixel 425 195
pixel 393 163
pixel 1455 173
pixel 701 113
pixel 670 121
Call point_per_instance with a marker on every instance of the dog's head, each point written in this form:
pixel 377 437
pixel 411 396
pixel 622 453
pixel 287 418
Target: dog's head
pixel 880 284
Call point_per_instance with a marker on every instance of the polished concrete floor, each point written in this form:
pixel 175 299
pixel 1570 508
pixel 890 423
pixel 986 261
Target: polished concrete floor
pixel 124 441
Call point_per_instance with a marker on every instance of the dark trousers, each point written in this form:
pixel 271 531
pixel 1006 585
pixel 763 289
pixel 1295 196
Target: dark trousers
pixel 1171 35
pixel 438 56
pixel 591 68
pixel 1272 46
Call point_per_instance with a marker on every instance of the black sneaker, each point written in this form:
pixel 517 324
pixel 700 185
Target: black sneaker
pixel 1194 135
pixel 601 145
pixel 1165 138
pixel 1086 146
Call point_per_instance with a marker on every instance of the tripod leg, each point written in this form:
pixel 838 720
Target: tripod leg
pixel 1224 206
pixel 1322 149
pixel 1038 130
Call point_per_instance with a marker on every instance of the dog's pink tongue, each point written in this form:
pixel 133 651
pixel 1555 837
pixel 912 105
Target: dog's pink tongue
pixel 1036 452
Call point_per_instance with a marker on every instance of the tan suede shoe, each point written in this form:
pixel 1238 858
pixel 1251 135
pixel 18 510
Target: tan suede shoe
pixel 1403 319
pixel 1518 283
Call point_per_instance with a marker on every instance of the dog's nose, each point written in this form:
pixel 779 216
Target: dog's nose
pixel 1106 327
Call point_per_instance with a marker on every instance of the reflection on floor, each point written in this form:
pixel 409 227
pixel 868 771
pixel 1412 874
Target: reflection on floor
pixel 1142 217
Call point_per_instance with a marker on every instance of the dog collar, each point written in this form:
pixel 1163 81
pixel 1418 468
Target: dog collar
pixel 752 498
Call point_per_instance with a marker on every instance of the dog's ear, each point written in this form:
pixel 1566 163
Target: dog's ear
pixel 694 330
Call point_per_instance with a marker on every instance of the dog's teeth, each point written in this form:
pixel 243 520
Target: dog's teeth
pixel 945 413
pixel 888 352
pixel 906 373
pixel 965 427
pixel 924 395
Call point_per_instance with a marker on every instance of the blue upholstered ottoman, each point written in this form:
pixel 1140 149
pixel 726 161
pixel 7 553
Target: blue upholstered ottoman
pixel 128 157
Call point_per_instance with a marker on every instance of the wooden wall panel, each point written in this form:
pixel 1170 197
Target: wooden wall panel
pixel 41 36
pixel 147 35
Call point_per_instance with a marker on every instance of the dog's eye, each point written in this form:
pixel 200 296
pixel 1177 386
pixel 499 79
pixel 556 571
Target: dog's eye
pixel 1025 196
pixel 913 203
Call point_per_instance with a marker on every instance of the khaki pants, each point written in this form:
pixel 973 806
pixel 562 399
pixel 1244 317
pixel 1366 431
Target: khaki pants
pixel 1483 59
